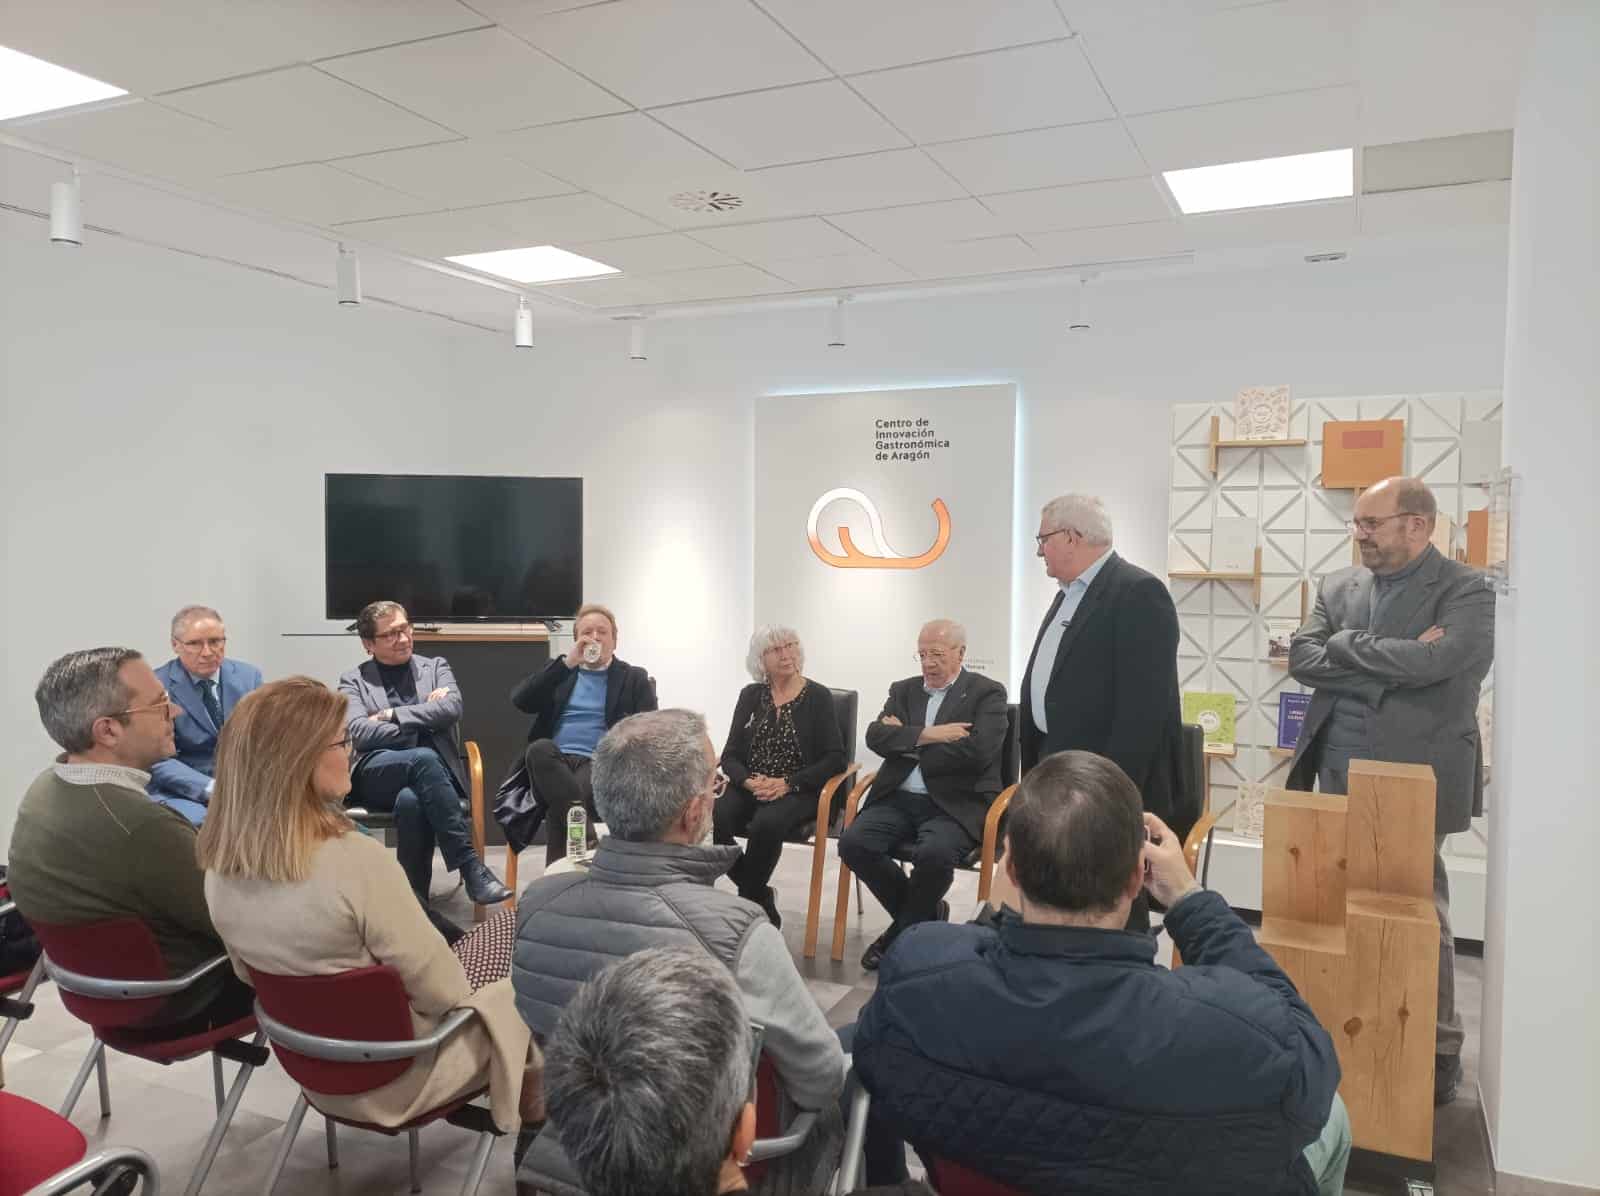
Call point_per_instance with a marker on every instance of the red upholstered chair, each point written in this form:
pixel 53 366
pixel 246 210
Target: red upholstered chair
pixel 111 976
pixel 952 1179
pixel 43 1152
pixel 349 1033
pixel 16 988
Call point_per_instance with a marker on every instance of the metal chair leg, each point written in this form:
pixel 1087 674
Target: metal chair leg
pixel 860 905
pixel 23 997
pixel 333 1142
pixel 202 1168
pixel 852 1163
pixel 480 1164
pixel 105 1083
pixel 216 1079
pixel 81 1078
pixel 285 1143
pixel 411 1143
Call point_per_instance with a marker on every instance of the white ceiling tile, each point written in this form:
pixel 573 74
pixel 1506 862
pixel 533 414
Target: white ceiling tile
pixel 436 234
pixel 1121 243
pixel 1231 54
pixel 148 48
pixel 791 124
pixel 1428 208
pixel 847 270
pixel 1030 87
pixel 1318 226
pixel 864 181
pixel 1299 122
pixel 992 255
pixel 653 254
pixel 1097 16
pixel 1084 205
pixel 651 53
pixel 315 193
pixel 723 282
pixel 147 139
pixel 485 81
pixel 678 202
pixel 305 115
pixel 780 240
pixel 627 148
pixel 1042 158
pixel 455 174
pixel 614 290
pixel 568 218
pixel 951 220
pixel 850 36
pixel 509 12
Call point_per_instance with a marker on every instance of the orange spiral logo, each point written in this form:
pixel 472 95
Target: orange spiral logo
pixel 882 555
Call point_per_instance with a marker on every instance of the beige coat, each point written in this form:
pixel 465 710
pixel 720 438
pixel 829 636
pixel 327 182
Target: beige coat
pixel 355 910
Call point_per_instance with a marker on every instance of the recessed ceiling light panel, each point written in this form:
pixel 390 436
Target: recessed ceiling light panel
pixel 534 263
pixel 1265 182
pixel 29 85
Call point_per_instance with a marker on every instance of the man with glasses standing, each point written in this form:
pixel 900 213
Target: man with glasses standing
pixel 941 734
pixel 403 713
pixel 90 846
pixel 1395 653
pixel 205 686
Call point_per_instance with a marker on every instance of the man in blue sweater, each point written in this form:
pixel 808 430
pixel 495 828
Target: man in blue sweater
pixel 1049 1051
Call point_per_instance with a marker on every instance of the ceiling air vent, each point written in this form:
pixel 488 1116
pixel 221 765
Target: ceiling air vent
pixel 1336 256
pixel 706 201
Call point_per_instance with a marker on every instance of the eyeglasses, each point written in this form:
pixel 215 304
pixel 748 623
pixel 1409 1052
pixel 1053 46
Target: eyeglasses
pixel 1369 526
pixel 1043 536
pixel 163 704
pixel 216 644
pixel 394 633
pixel 935 656
pixel 791 646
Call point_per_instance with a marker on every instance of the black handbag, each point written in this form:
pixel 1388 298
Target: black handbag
pixel 517 808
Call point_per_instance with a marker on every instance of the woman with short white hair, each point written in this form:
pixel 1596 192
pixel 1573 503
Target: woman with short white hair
pixel 783 746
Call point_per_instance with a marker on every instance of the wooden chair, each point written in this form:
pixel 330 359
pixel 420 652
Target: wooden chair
pixel 846 704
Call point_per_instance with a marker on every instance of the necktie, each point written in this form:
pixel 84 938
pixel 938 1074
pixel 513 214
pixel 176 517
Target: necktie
pixel 208 693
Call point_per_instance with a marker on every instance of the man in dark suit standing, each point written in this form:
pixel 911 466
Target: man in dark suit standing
pixel 941 734
pixel 403 713
pixel 1103 676
pixel 206 686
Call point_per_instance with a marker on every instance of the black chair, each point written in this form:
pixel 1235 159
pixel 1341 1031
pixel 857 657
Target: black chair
pixel 829 821
pixel 1195 778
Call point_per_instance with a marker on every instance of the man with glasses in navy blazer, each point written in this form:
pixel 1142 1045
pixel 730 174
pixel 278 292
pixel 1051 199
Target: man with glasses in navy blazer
pixel 206 686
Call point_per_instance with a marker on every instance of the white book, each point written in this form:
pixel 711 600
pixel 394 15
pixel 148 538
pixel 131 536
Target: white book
pixel 1250 810
pixel 1233 544
pixel 1261 413
pixel 1480 451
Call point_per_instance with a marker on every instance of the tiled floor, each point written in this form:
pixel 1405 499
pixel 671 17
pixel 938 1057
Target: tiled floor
pixel 168 1110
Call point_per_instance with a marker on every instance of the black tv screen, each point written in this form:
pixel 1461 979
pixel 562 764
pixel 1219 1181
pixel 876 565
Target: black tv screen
pixel 454 548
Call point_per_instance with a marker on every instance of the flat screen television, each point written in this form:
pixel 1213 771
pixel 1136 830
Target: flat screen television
pixel 454 549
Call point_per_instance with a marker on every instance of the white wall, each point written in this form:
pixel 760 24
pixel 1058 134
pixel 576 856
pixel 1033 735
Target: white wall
pixel 129 370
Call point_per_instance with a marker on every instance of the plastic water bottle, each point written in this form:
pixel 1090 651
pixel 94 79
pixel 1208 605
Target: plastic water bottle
pixel 577 833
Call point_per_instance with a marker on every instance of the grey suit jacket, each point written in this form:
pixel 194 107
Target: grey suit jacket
pixel 1422 699
pixel 427 724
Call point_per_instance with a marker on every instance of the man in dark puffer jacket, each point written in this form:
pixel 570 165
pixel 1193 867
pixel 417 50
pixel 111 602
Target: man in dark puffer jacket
pixel 1050 1052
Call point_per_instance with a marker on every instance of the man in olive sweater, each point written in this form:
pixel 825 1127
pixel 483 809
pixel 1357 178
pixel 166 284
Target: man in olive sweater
pixel 90 846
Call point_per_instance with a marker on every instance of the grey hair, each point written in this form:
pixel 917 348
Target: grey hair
pixel 1083 513
pixel 191 614
pixel 764 638
pixel 646 769
pixel 948 629
pixel 646 1072
pixel 371 615
pixel 79 688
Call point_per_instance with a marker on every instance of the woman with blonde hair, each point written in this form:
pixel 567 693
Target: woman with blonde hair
pixel 297 889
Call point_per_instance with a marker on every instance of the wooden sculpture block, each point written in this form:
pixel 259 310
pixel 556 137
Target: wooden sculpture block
pixel 1347 910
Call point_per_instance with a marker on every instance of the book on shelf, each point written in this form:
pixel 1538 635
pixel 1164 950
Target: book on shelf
pixel 1261 413
pixel 1480 451
pixel 1280 634
pixel 1233 544
pixel 1250 810
pixel 1292 709
pixel 1214 713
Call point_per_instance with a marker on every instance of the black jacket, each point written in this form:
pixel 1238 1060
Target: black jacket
pixel 816 726
pixel 1113 688
pixel 1063 1059
pixel 545 694
pixel 963 777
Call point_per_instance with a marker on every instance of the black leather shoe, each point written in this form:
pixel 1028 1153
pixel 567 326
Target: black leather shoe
pixel 483 886
pixel 1446 1078
pixel 873 955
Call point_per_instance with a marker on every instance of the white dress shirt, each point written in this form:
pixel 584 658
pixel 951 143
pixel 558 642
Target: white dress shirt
pixel 914 783
pixel 1044 659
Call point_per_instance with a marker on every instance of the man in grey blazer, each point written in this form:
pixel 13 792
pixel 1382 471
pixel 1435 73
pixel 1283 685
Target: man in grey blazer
pixel 1396 652
pixel 403 713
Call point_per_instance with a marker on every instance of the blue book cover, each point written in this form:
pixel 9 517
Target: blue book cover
pixel 1291 717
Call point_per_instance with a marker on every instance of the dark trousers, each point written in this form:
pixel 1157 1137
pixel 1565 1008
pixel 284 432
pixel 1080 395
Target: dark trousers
pixel 766 824
pixel 414 784
pixel 939 844
pixel 560 782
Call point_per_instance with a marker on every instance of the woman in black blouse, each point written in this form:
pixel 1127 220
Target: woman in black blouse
pixel 783 747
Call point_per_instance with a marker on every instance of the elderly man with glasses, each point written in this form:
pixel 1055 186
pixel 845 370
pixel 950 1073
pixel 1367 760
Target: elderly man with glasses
pixel 403 712
pixel 940 734
pixel 90 846
pixel 205 686
pixel 1395 653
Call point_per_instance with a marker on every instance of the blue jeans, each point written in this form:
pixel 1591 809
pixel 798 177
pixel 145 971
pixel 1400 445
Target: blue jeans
pixel 415 785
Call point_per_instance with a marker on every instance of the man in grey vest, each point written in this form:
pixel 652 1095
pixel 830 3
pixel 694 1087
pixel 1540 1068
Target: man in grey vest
pixel 1396 652
pixel 652 884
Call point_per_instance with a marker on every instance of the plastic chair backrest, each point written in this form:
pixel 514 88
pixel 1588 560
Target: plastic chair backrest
pixel 846 702
pixel 952 1179
pixel 770 1107
pixel 363 1005
pixel 119 949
